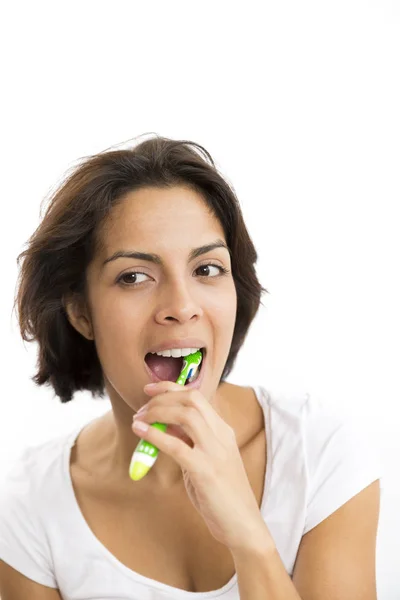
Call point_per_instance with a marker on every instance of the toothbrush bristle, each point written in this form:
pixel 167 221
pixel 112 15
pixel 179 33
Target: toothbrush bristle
pixel 194 367
pixel 193 374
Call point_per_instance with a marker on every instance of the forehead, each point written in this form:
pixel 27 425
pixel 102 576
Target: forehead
pixel 160 217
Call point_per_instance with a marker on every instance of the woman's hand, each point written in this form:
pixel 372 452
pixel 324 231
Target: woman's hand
pixel 212 467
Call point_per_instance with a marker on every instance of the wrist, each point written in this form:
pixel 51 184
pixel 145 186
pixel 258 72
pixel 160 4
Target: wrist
pixel 257 543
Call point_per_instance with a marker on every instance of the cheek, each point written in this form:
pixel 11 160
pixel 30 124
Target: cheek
pixel 223 315
pixel 224 307
pixel 118 329
pixel 120 361
pixel 116 316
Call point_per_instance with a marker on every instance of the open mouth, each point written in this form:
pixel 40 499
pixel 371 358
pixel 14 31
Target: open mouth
pixel 168 368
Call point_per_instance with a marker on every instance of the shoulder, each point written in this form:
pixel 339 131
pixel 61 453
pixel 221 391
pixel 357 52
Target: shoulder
pixel 329 433
pixel 29 471
pixel 334 454
pixel 241 409
pixel 341 456
pixel 336 432
pixel 23 543
pixel 33 480
pixel 250 410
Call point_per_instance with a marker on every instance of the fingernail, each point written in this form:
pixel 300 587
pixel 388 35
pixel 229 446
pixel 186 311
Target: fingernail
pixel 139 426
pixel 150 385
pixel 140 411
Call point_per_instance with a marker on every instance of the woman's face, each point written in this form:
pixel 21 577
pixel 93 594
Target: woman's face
pixel 130 313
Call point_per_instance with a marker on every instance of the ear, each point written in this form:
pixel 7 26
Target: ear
pixel 78 315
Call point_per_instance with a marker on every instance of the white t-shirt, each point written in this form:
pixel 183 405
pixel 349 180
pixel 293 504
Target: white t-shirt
pixel 316 461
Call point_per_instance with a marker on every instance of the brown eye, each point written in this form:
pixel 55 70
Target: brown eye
pixel 222 270
pixel 128 275
pixel 126 278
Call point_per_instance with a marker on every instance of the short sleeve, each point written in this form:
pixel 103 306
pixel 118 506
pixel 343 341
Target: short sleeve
pixel 22 539
pixel 342 458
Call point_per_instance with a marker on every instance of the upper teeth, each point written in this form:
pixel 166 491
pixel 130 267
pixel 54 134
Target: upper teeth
pixel 176 352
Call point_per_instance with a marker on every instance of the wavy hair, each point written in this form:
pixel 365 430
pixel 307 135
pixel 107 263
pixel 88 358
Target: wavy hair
pixel 65 242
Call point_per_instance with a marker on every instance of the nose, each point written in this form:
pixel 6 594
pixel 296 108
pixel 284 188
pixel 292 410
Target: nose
pixel 179 303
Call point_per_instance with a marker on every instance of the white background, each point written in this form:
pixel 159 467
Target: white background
pixel 298 103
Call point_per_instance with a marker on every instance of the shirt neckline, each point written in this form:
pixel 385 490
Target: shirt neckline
pixel 137 577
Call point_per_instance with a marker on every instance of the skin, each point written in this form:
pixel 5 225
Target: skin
pixel 174 300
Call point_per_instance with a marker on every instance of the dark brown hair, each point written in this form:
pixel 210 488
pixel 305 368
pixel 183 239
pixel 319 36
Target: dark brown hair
pixel 68 237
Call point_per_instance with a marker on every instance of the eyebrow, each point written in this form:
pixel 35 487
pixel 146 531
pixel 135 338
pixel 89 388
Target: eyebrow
pixel 155 258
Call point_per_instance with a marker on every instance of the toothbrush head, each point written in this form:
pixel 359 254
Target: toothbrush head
pixel 191 363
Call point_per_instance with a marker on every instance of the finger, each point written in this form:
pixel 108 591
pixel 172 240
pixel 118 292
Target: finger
pixel 174 447
pixel 179 432
pixel 187 418
pixel 160 387
pixel 166 391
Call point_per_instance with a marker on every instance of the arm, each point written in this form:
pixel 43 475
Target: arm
pixel 335 561
pixel 261 574
pixel 15 586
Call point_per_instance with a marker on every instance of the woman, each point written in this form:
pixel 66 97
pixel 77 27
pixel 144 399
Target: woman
pixel 142 251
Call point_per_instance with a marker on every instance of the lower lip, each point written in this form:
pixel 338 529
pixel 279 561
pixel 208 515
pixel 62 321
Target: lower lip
pixel 190 386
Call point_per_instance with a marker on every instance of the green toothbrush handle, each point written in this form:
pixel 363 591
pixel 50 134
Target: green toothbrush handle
pixel 146 446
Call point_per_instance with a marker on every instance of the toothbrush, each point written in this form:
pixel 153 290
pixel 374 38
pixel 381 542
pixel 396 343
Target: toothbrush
pixel 145 454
